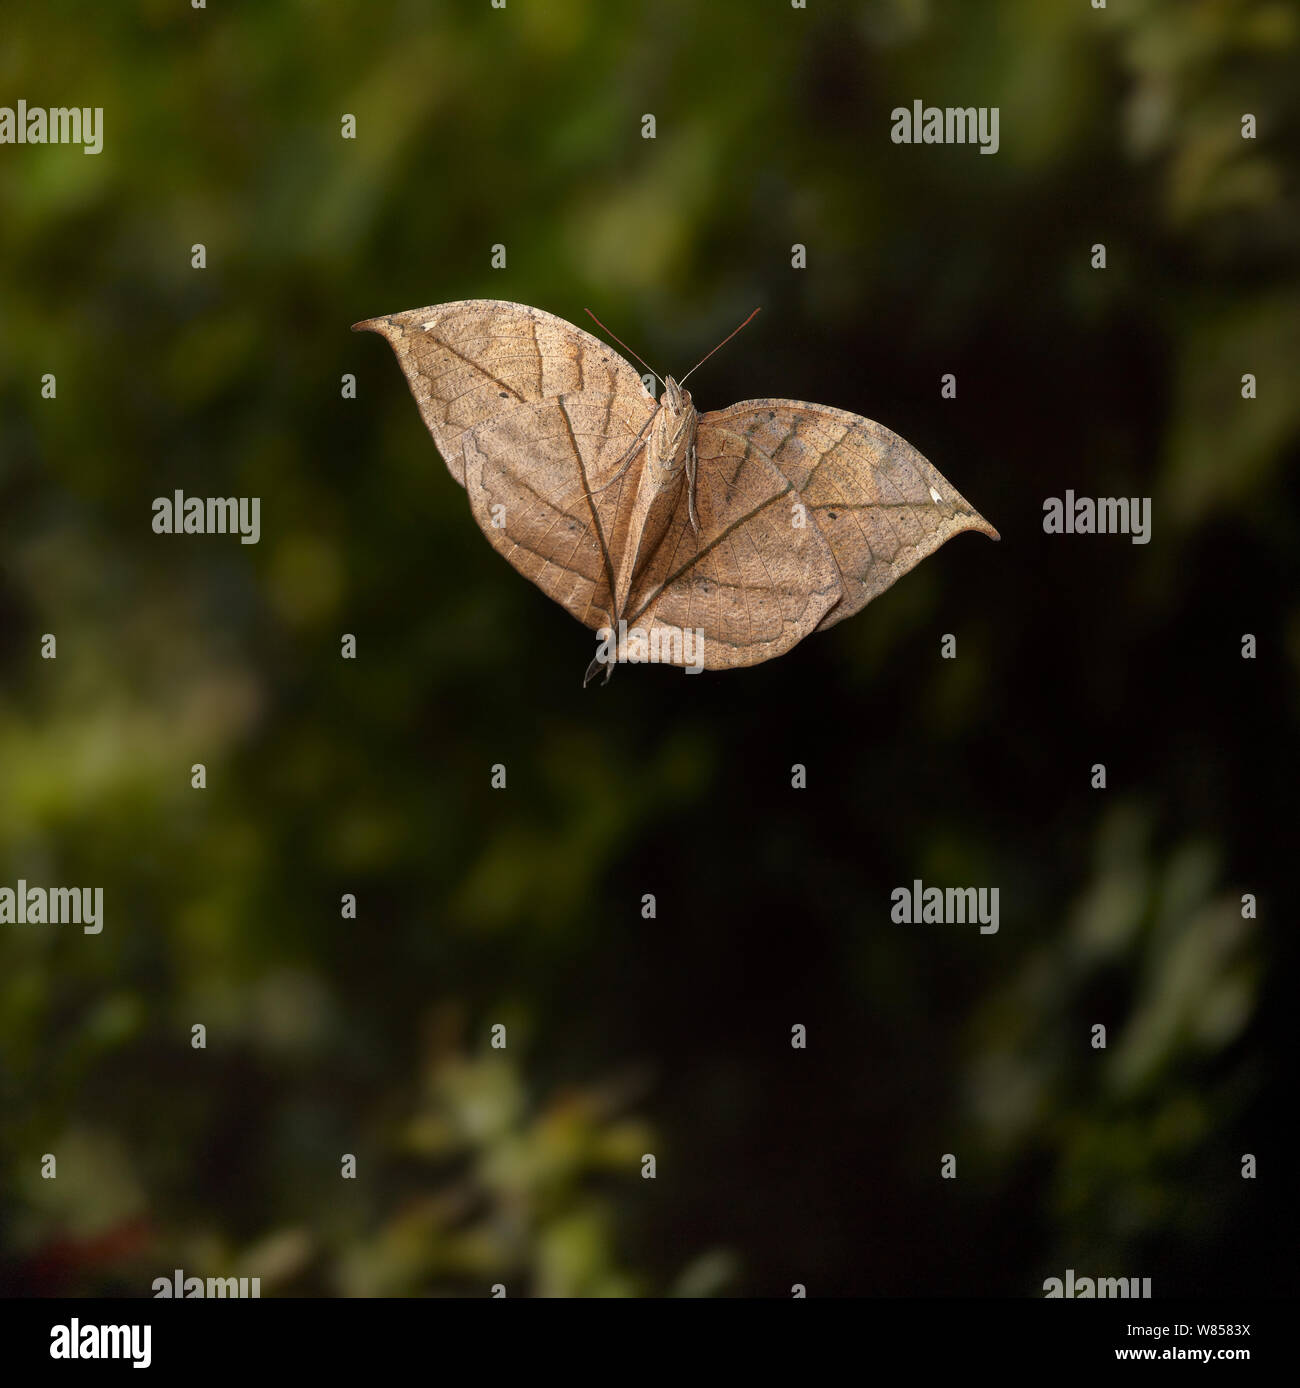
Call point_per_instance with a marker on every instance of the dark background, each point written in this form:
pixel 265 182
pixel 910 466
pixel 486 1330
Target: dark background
pixel 626 1036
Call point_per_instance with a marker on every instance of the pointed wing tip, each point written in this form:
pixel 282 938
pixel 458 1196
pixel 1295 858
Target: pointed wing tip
pixel 370 325
pixel 978 524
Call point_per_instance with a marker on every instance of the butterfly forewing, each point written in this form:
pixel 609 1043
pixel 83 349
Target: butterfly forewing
pixel 469 361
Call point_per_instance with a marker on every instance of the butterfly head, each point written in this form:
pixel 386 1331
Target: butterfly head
pixel 676 398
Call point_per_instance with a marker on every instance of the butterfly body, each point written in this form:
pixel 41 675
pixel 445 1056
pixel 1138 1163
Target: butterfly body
pixel 676 422
pixel 753 525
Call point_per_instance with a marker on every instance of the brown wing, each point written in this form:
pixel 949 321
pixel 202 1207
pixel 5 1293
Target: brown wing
pixel 548 485
pixel 881 506
pixel 470 361
pixel 752 582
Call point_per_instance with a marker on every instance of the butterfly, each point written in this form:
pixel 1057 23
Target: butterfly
pixel 709 540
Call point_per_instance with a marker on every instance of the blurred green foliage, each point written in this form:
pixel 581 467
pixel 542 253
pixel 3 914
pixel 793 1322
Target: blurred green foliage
pixel 626 1036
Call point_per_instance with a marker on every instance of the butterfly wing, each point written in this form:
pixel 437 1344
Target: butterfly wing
pixel 551 484
pixel 805 512
pixel 470 361
pixel 880 505
pixel 752 583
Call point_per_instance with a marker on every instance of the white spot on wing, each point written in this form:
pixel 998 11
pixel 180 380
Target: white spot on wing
pixel 935 497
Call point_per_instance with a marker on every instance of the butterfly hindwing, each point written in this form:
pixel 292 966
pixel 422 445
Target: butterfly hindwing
pixel 881 506
pixel 752 581
pixel 548 487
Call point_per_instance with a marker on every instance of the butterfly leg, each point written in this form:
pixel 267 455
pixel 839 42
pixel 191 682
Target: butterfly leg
pixel 625 462
pixel 606 655
pixel 595 668
pixel 691 461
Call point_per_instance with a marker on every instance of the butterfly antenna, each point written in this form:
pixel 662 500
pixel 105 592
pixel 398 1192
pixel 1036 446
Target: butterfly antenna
pixel 723 343
pixel 625 347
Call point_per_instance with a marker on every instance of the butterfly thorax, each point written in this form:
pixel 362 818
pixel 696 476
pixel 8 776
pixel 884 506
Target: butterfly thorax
pixel 674 430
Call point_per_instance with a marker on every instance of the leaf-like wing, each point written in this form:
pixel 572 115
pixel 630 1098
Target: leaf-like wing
pixel 881 506
pixel 469 361
pixel 551 486
pixel 752 581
